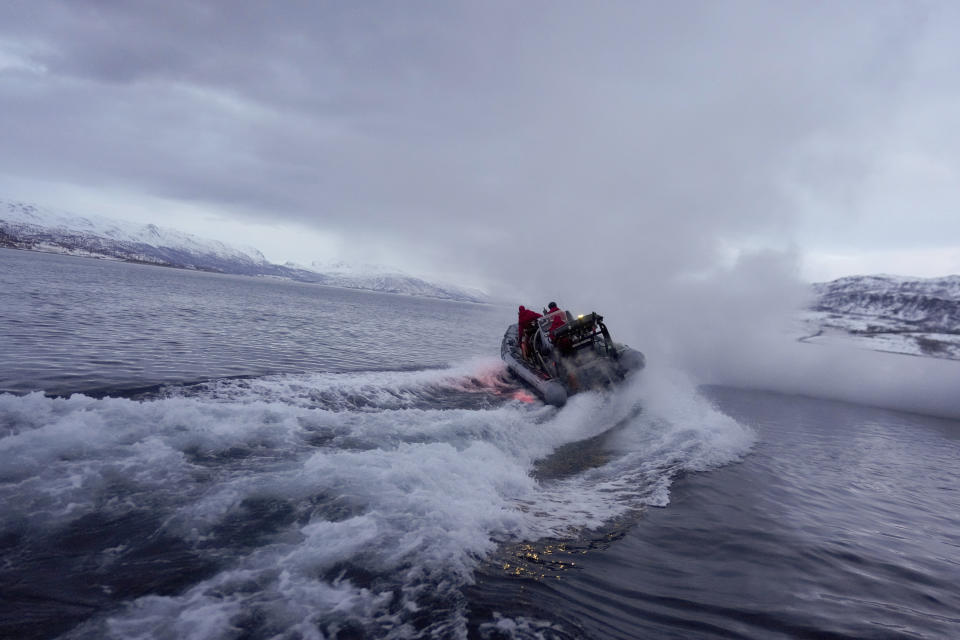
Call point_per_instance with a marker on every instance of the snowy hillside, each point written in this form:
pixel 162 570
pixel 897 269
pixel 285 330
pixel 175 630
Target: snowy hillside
pixel 917 316
pixel 27 226
pixel 383 278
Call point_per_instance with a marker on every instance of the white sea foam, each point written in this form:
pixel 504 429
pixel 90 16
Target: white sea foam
pixel 391 502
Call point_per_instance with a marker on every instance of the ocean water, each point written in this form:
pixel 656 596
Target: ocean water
pixel 192 455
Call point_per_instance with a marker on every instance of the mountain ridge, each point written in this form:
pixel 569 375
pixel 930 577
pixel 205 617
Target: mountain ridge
pixel 30 227
pixel 914 316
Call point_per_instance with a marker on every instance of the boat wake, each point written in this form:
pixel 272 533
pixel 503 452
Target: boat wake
pixel 321 505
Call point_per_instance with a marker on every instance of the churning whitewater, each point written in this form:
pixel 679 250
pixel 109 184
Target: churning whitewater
pixel 325 504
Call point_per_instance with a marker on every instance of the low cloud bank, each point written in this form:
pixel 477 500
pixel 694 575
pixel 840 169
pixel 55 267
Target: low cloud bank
pixel 738 327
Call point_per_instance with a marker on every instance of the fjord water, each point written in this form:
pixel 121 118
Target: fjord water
pixel 74 324
pixel 244 458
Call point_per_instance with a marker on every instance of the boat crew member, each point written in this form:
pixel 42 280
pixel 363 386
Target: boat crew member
pixel 526 327
pixel 558 317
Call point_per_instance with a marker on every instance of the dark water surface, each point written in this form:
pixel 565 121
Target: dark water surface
pixel 842 522
pixel 374 473
pixel 81 324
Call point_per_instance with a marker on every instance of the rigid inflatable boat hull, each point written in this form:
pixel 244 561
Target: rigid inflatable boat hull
pixel 597 373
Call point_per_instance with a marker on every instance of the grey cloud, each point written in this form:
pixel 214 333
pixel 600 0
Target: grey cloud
pixel 556 140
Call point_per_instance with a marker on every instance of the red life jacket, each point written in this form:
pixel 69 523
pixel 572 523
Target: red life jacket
pixel 559 318
pixel 526 318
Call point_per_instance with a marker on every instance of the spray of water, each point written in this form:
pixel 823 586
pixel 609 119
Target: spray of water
pixel 352 509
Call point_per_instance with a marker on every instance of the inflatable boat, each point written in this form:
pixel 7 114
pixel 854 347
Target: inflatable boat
pixel 577 355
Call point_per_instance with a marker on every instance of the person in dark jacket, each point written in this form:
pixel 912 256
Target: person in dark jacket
pixel 526 327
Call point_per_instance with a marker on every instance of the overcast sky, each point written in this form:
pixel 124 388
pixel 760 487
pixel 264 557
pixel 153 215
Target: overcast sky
pixel 500 142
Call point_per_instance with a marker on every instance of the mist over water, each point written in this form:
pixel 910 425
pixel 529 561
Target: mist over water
pixel 738 326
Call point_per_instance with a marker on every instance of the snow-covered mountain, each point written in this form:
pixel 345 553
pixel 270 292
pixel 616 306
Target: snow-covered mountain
pixel 918 316
pixel 27 226
pixel 384 278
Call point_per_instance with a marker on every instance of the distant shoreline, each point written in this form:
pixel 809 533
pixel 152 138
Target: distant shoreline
pixel 195 269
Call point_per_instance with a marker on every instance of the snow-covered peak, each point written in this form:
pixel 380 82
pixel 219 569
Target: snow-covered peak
pixel 340 267
pixel 28 226
pixel 944 287
pixel 389 278
pixel 917 316
pixel 123 231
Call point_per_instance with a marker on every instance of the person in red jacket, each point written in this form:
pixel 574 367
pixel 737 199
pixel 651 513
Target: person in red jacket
pixel 559 317
pixel 526 327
